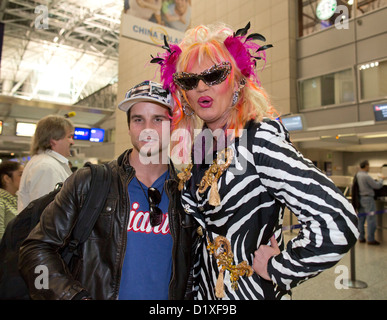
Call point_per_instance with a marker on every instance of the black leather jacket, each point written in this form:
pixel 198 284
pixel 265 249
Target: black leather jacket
pixel 98 272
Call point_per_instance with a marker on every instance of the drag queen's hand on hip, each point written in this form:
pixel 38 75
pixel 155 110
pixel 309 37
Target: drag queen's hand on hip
pixel 262 256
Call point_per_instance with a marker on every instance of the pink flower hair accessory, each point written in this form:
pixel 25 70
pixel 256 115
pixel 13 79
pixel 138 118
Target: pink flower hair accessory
pixel 246 52
pixel 167 62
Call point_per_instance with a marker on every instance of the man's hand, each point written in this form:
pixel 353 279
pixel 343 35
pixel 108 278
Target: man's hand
pixel 262 256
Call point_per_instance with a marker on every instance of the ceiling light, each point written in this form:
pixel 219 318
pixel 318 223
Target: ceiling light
pixel 369 65
pixel 375 136
pixel 305 139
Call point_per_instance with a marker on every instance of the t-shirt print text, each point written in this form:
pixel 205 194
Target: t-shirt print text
pixel 139 222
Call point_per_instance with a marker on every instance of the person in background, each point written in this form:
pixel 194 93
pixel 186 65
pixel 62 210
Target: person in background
pixel 10 175
pixel 49 165
pixel 177 14
pixel 367 187
pixel 238 195
pixel 146 9
pixel 140 249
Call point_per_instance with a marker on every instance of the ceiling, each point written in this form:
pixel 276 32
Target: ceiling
pixel 55 54
pixel 59 50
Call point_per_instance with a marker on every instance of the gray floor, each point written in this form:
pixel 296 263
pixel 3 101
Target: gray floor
pixel 370 268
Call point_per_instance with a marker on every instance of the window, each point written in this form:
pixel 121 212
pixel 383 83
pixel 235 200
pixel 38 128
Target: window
pixel 373 80
pixel 326 90
pixel 311 93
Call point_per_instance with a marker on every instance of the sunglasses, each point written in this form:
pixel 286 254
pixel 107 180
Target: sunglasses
pixel 156 215
pixel 213 76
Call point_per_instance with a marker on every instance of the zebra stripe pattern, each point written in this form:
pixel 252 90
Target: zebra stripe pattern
pixel 267 175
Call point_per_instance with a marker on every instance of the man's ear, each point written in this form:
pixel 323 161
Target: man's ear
pixel 53 144
pixel 6 179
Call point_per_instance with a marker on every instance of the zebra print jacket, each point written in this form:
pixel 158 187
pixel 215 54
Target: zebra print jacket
pixel 267 174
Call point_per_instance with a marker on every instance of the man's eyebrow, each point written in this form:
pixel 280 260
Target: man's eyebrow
pixel 161 116
pixel 135 116
pixel 153 116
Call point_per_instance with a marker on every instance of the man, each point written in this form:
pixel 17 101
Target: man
pixel 367 187
pixel 140 246
pixel 49 165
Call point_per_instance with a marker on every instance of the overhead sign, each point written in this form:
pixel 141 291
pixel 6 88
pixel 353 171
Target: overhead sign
pixel 147 31
pixel 294 123
pixel 380 112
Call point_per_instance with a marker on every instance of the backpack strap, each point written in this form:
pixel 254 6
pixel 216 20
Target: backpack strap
pixel 96 197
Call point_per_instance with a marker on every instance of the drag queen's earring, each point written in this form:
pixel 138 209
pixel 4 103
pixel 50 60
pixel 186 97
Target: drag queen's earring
pixel 187 109
pixel 235 97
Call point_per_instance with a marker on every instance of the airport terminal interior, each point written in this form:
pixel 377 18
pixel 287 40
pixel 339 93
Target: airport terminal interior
pixel 326 75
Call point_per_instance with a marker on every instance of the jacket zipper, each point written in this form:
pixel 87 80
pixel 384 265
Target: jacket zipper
pixel 171 295
pixel 124 235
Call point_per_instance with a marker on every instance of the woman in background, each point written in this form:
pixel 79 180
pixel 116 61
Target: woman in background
pixel 10 175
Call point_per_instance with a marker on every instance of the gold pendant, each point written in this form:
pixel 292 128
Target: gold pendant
pixel 214 172
pixel 221 249
pixel 184 176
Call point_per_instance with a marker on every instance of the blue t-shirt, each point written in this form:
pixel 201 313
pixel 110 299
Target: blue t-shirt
pixel 147 266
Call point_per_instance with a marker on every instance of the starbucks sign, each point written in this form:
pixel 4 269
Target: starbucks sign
pixel 326 9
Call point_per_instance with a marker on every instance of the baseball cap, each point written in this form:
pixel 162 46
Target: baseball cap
pixel 146 91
